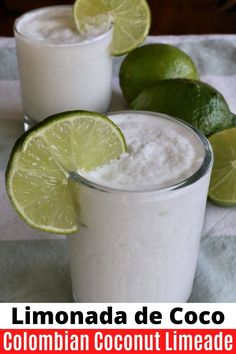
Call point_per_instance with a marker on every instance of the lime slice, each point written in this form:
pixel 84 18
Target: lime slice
pixel 38 176
pixel 223 181
pixel 131 21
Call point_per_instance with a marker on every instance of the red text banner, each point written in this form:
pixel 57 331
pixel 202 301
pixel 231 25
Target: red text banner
pixel 117 340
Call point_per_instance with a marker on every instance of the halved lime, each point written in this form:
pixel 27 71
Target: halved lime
pixel 38 176
pixel 223 180
pixel 131 21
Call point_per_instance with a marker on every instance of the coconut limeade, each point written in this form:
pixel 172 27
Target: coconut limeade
pixel 161 153
pixel 59 69
pixel 142 215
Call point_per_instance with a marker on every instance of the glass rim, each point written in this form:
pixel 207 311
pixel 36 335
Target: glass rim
pixel 200 173
pixel 88 41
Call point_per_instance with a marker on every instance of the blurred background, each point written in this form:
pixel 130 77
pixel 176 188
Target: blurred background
pixel 168 16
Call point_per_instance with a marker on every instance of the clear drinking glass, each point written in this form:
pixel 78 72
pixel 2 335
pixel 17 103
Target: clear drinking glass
pixel 140 246
pixel 61 76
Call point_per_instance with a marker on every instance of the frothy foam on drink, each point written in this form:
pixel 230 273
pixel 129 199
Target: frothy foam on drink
pixel 56 26
pixel 161 153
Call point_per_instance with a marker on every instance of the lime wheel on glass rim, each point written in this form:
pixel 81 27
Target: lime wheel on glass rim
pixel 38 176
pixel 131 20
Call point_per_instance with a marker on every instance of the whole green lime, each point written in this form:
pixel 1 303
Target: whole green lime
pixel 193 101
pixel 151 63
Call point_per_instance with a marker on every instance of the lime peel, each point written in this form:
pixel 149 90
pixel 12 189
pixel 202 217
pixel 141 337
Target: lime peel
pixel 38 173
pixel 222 189
pixel 130 19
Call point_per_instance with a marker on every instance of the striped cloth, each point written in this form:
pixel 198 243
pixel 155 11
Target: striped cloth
pixel 215 57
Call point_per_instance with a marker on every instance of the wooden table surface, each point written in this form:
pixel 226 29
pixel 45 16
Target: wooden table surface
pixel 168 16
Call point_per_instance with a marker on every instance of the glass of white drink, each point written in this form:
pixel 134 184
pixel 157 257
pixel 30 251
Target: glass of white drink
pixel 142 215
pixel 59 69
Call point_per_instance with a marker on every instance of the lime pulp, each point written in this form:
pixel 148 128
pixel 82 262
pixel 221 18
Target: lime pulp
pixel 38 176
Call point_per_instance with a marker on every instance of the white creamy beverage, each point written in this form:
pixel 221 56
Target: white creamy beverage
pixel 142 215
pixel 59 69
pixel 160 153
